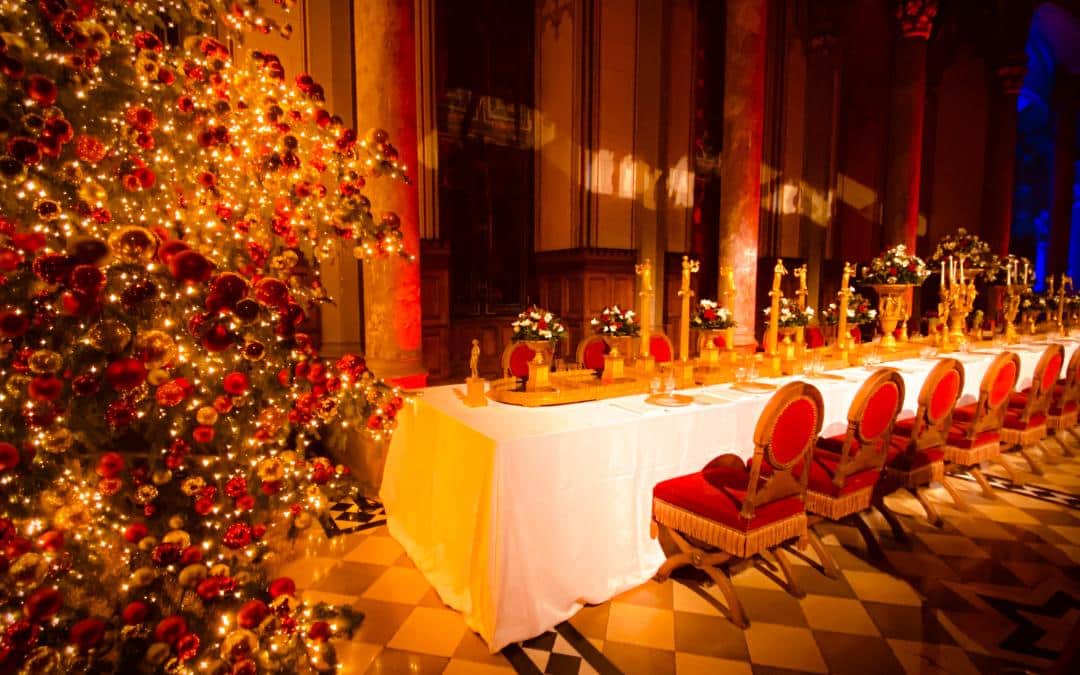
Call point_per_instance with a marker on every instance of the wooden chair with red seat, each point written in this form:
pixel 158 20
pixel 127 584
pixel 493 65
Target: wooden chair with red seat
pixel 591 351
pixel 916 456
pixel 814 337
pixel 975 434
pixel 732 509
pixel 1065 405
pixel 515 359
pixel 845 469
pixel 1026 416
pixel 660 348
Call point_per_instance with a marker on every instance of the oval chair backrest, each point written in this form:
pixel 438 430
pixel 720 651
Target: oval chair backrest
pixel 1070 392
pixel 871 418
pixel 994 390
pixel 1043 380
pixel 660 347
pixel 937 401
pixel 515 359
pixel 785 433
pixel 814 337
pixel 856 334
pixel 591 351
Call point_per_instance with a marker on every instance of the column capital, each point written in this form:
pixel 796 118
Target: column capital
pixel 1011 78
pixel 916 18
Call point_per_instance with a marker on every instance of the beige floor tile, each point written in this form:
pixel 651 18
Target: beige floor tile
pixel 1070 533
pixel 1072 551
pixel 473 648
pixel 687 599
pixel 841 615
pixel 692 664
pixel 950 544
pixel 460 667
pixel 643 626
pixel 355 657
pixel 924 658
pixel 881 587
pixel 648 594
pixel 314 597
pixel 771 644
pixel 375 550
pixel 398 584
pixel 752 577
pixel 398 662
pixel 430 631
pixel 1002 513
pixel 307 571
pixel 981 528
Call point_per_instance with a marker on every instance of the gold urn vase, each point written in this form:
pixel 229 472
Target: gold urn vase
pixel 892 308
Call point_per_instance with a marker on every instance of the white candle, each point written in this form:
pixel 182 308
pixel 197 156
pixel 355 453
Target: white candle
pixel 961 270
pixel 943 274
pixel 1025 273
pixel 1008 275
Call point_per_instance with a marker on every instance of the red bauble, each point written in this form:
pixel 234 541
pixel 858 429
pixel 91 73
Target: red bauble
pixel 191 267
pixel 170 394
pixel 218 338
pixel 204 505
pixel 236 383
pixel 210 588
pixel 127 373
pixel 203 434
pixel 43 604
pixel 244 667
pixel 136 612
pixel 237 536
pixel 236 487
pixel 9 457
pixel 252 613
pixel 320 631
pixel 282 586
pixel 46 388
pixel 141 118
pixel 87 279
pixel 187 647
pixel 110 465
pixel 232 287
pixel 89 149
pixel 170 249
pixel 135 532
pixel 170 629
pixel 53 268
pixel 270 487
pixel 191 555
pixel 41 89
pixel 165 554
pixel 51 541
pixel 223 404
pixel 272 292
pixel 245 503
pixel 86 634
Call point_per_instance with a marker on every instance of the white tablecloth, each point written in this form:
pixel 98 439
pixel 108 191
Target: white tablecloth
pixel 518 516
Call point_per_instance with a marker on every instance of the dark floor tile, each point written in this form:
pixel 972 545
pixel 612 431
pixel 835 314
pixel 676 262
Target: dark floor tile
pixel 592 620
pixel 813 581
pixel 349 578
pixel 635 660
pixel 773 670
pixel 908 623
pixel 395 662
pixel 857 654
pixel 563 664
pixel 709 636
pixel 771 606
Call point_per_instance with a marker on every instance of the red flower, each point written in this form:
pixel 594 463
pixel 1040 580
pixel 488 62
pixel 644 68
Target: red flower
pixel 126 373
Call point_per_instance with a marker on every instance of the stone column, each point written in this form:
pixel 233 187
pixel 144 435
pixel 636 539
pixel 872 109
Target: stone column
pixel 386 86
pixel 1001 159
pixel 907 112
pixel 1064 111
pixel 740 183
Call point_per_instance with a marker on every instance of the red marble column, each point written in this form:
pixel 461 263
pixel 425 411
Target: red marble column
pixel 740 178
pixel 907 113
pixel 1065 106
pixel 1001 159
pixel 386 98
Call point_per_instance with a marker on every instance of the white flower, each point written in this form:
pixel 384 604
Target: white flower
pixel 851 314
pixel 595 322
pixel 810 311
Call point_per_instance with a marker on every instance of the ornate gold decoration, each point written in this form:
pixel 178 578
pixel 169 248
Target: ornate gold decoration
pixel 646 362
pixel 892 301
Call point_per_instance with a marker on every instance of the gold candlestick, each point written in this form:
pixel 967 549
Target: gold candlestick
pixel 843 338
pixel 1010 309
pixel 1061 306
pixel 646 362
pixel 772 346
pixel 800 302
pixel 684 368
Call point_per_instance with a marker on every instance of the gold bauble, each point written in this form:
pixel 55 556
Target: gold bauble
pixel 16 385
pixel 143 576
pixel 133 244
pixel 93 192
pixel 157 377
pixel 156 348
pixel 72 516
pixel 206 415
pixel 157 653
pixel 270 470
pixel 110 336
pixel 177 521
pixel 235 639
pixel 328 409
pixel 145 494
pixel 288 457
pixel 192 485
pixel 45 361
pixel 148 543
pixel 51 500
pixel 161 477
pixel 57 440
pixel 220 570
pixel 177 537
pixel 284 604
pixel 192 574
pixel 28 570
pixel 42 661
pixel 302 521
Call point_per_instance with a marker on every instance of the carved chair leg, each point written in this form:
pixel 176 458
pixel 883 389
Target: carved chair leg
pixel 1051 458
pixel 829 566
pixel 1030 459
pixel 1012 473
pixel 873 546
pixel 670 565
pixel 723 582
pixel 897 528
pixel 928 506
pixel 980 478
pixel 785 566
pixel 957 498
pixel 1066 449
pixel 1072 432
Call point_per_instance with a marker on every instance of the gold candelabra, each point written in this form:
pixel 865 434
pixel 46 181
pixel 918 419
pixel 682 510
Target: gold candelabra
pixel 683 368
pixel 772 342
pixel 843 337
pixel 958 296
pixel 646 362
pixel 1010 308
pixel 800 302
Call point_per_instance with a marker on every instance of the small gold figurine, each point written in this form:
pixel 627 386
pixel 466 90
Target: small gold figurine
pixel 474 384
pixel 474 358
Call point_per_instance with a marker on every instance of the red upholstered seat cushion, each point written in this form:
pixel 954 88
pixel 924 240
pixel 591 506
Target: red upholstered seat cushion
pixel 944 396
pixel 900 459
pixel 1013 421
pixel 593 355
pixel 823 468
pixel 958 439
pixel 658 348
pixel 722 504
pixel 1003 383
pixel 519 360
pixel 964 413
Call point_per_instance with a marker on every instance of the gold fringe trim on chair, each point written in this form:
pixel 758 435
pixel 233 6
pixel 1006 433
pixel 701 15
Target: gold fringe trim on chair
pixel 1059 423
pixel 972 456
pixel 934 472
pixel 736 542
pixel 1023 438
pixel 835 508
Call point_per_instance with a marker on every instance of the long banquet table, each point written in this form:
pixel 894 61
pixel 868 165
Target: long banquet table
pixel 519 516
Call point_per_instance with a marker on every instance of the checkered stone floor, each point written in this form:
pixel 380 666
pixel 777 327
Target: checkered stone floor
pixel 996 588
pixel 348 516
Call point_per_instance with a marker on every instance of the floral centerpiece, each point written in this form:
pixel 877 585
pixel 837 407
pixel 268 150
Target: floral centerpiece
pixel 536 324
pixel 711 316
pixel 614 322
pixel 790 314
pixel 963 245
pixel 859 311
pixel 896 266
pixel 998 274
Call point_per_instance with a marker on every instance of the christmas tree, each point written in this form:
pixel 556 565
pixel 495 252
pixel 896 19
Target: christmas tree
pixel 163 214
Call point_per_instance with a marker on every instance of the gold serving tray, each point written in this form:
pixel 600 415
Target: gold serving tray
pixel 670 400
pixel 568 386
